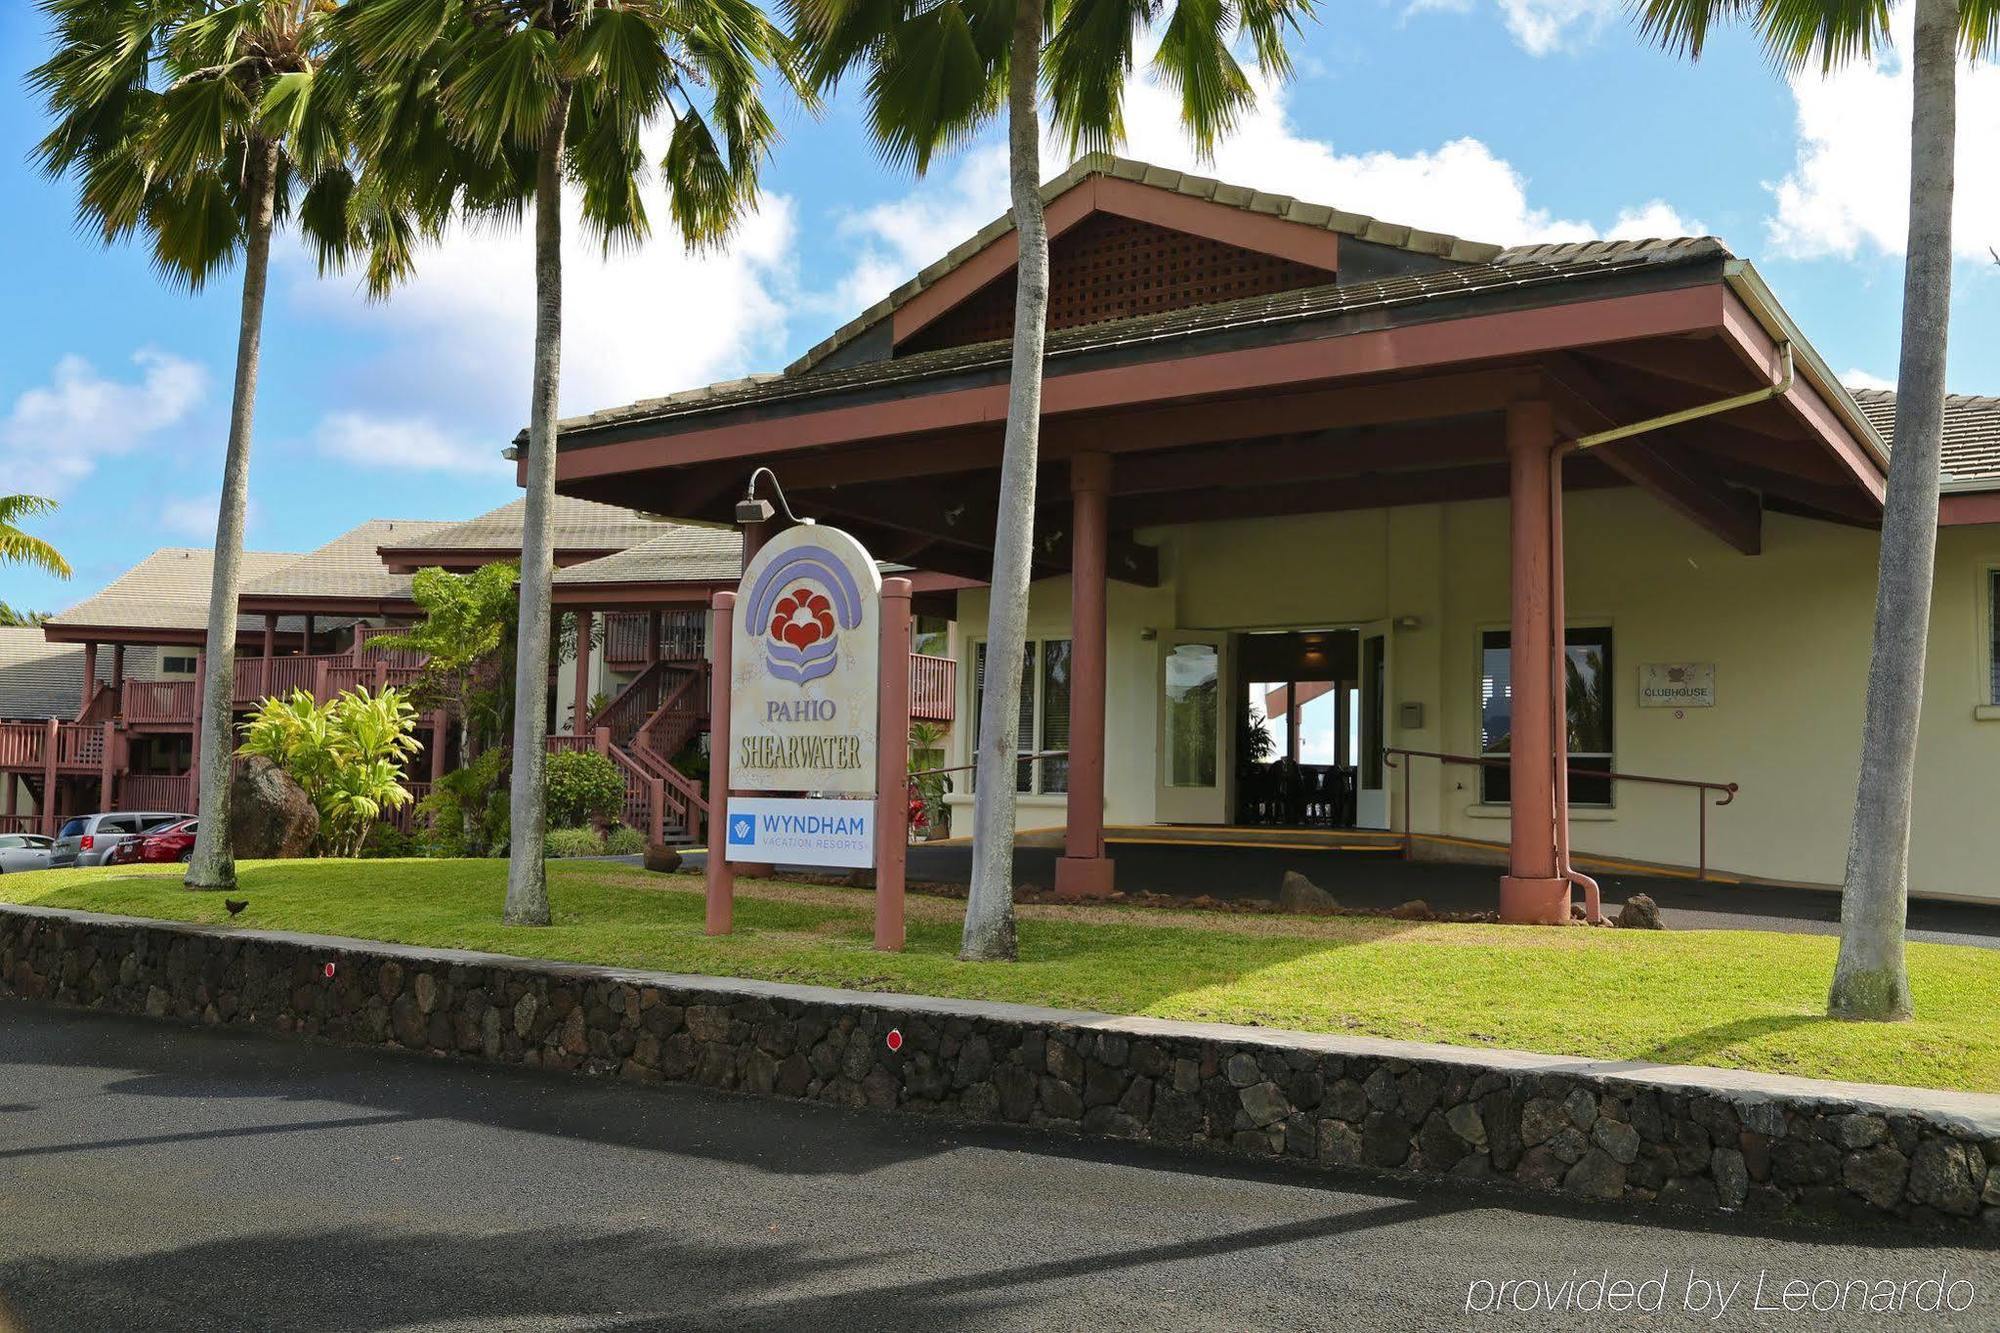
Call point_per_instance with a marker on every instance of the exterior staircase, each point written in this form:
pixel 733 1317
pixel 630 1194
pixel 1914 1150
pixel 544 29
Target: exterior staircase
pixel 650 722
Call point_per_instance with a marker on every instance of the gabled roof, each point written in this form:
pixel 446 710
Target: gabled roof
pixel 168 590
pixel 577 525
pixel 1971 446
pixel 1534 268
pixel 38 679
pixel 1320 216
pixel 685 553
pixel 349 566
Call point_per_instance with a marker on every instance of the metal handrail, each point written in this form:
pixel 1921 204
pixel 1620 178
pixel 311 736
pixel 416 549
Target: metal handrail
pixel 1727 790
pixel 1022 757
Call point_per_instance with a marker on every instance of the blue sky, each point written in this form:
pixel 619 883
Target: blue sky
pixel 1510 121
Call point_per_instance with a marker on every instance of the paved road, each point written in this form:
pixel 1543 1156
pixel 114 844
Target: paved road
pixel 161 1178
pixel 1371 879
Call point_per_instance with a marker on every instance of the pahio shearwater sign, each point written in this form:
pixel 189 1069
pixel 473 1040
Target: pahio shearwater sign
pixel 805 667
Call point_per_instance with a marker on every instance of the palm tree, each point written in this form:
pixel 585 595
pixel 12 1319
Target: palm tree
pixel 545 93
pixel 1870 979
pixel 17 547
pixel 938 71
pixel 206 126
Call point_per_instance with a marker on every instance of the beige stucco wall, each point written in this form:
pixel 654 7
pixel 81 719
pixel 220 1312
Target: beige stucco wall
pixel 1787 630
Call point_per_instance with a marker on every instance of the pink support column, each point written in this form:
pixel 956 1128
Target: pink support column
pixel 107 763
pixel 892 765
pixel 118 673
pixel 1532 892
pixel 51 742
pixel 270 651
pixel 308 645
pixel 200 711
pixel 89 676
pixel 652 637
pixel 581 725
pixel 440 737
pixel 720 875
pixel 1084 871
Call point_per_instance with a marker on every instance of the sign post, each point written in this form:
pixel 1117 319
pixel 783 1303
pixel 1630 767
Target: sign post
pixel 806 724
pixel 892 784
pixel 720 875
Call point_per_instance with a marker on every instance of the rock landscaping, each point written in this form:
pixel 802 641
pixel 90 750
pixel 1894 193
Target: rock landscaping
pixel 1632 1134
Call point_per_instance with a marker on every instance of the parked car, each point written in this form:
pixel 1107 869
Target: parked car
pixel 25 851
pixel 169 842
pixel 86 840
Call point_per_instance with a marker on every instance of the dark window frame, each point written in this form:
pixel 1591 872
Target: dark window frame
pixel 1587 792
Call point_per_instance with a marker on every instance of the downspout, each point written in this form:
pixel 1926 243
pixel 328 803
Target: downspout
pixel 1558 607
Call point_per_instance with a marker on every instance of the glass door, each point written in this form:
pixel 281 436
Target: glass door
pixel 1194 711
pixel 1371 804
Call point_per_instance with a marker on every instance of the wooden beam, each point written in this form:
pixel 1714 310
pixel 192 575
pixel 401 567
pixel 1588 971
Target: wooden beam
pixel 1672 473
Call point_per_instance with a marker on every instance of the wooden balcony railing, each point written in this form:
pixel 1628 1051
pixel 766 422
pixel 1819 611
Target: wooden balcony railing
pixel 933 688
pixel 156 791
pixel 159 700
pixel 79 746
pixel 683 636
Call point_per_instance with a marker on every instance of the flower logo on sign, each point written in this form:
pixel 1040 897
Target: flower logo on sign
pixel 801 626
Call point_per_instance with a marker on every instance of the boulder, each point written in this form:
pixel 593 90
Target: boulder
pixel 270 815
pixel 1640 912
pixel 1299 894
pixel 1414 910
pixel 662 858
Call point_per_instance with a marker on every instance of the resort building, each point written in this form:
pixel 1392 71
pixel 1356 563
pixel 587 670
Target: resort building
pixel 99 706
pixel 1346 523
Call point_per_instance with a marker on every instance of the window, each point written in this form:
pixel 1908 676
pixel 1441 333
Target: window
pixel 1588 668
pixel 1993 636
pixel 177 666
pixel 931 635
pixel 1044 717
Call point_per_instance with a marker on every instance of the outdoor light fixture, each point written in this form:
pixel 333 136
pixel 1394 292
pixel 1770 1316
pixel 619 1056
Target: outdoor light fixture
pixel 512 453
pixel 751 509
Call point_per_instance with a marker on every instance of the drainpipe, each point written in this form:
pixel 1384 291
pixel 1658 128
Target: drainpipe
pixel 1558 607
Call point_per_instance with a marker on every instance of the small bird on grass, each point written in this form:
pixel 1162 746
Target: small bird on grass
pixel 235 905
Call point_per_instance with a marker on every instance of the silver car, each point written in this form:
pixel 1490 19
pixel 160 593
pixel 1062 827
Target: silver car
pixel 85 840
pixel 25 851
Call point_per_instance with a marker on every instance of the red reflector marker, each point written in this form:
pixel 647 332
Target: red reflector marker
pixel 329 971
pixel 895 1039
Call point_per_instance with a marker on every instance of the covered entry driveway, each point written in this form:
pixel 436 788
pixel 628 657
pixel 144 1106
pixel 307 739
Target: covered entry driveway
pixel 1417 369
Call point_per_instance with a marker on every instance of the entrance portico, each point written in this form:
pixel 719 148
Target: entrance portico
pixel 1290 362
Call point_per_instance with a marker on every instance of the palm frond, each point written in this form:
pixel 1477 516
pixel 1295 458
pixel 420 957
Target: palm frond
pixel 18 547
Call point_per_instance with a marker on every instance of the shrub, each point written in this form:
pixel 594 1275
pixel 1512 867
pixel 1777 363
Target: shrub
pixel 583 787
pixel 623 841
pixel 573 842
pixel 389 841
pixel 466 812
pixel 347 754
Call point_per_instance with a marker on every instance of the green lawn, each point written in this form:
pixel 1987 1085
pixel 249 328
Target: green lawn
pixel 1734 998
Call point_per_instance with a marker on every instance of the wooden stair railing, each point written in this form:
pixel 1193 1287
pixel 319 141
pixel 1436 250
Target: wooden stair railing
pixel 634 704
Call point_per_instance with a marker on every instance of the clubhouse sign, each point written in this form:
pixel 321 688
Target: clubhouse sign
pixel 805 664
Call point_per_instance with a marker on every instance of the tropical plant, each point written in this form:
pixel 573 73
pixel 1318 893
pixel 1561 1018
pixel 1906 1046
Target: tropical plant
pixel 938 71
pixel 555 92
pixel 347 754
pixel 624 840
pixel 574 842
pixel 584 788
pixel 927 784
pixel 17 547
pixel 466 811
pixel 13 617
pixel 1870 979
pixel 462 636
pixel 206 126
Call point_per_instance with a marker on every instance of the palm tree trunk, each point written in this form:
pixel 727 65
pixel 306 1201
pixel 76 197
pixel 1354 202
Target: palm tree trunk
pixel 989 907
pixel 1869 980
pixel 527 874
pixel 213 865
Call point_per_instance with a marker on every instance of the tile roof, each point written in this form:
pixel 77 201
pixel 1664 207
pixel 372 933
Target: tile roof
pixel 1971 432
pixel 41 680
pixel 1534 267
pixel 349 566
pixel 168 590
pixel 685 553
pixel 1357 225
pixel 578 525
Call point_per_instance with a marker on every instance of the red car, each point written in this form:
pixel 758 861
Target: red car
pixel 170 842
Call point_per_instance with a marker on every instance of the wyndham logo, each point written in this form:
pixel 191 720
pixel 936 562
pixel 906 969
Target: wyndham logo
pixel 743 831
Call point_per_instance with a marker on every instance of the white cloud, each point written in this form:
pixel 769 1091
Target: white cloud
pixel 1861 379
pixel 641 321
pixel 1544 27
pixel 55 433
pixel 1462 187
pixel 1849 188
pixel 407 442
